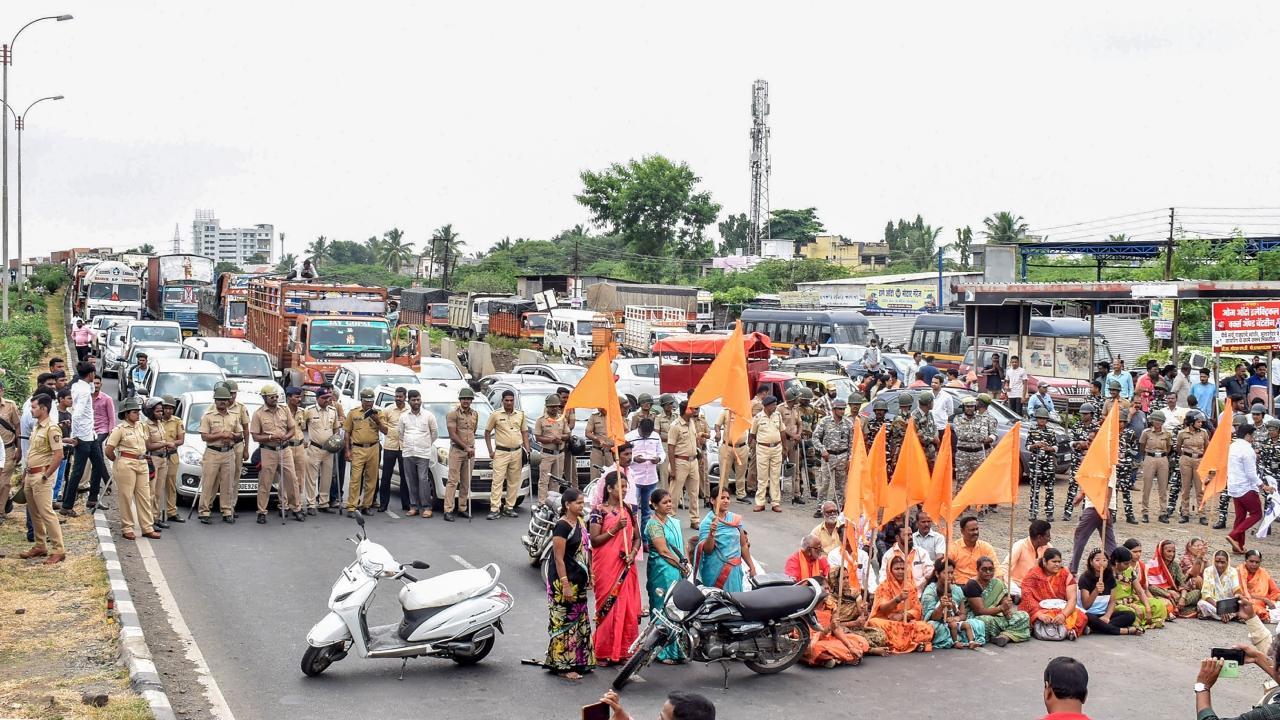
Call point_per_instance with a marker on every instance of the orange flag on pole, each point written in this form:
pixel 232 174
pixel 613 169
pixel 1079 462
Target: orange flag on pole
pixel 1099 461
pixel 726 381
pixel 875 477
pixel 911 474
pixel 597 390
pixel 1213 466
pixel 995 482
pixel 938 500
pixel 853 481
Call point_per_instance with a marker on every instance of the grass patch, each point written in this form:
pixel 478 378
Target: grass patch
pixel 515 345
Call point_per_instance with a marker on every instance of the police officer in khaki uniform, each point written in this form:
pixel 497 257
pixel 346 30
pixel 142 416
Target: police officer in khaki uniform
pixel 1154 447
pixel 10 421
pixel 461 423
pixel 733 456
pixel 362 429
pixel 507 426
pixel 273 427
pixel 321 422
pixel 298 444
pixel 704 460
pixel 766 437
pixel 601 444
pixel 682 444
pixel 553 437
pixel 221 431
pixel 238 409
pixel 662 423
pixel 169 436
pixel 789 413
pixel 126 447
pixel 44 455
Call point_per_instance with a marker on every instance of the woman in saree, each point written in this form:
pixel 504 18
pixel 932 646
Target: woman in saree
pixel 723 547
pixel 568 576
pixel 1097 598
pixel 1258 588
pixel 832 644
pixel 1049 595
pixel 1221 582
pixel 615 544
pixel 897 612
pixel 667 564
pixel 1194 560
pixel 1166 579
pixel 1131 587
pixel 991 604
pixel 947 612
pixel 852 611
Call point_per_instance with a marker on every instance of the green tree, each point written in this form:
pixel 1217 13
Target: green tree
pixel 799 225
pixel 286 263
pixel 392 251
pixel 319 250
pixel 735 230
pixel 346 252
pixel 144 249
pixel 225 266
pixel 1004 228
pixel 654 206
pixel 447 249
pixel 1119 238
pixel 964 245
pixel 257 258
pixel 503 244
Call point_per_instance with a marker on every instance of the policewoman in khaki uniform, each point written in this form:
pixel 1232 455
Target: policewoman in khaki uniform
pixel 1154 447
pixel 220 467
pixel 126 447
pixel 682 443
pixel 363 428
pixel 298 450
pixel 507 427
pixel 273 427
pixel 1192 442
pixel 321 422
pixel 169 435
pixel 553 437
pixel 461 422
pixel 662 423
pixel 766 438
pixel 44 455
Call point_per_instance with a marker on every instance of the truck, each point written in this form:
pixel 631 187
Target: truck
pixel 415 304
pixel 577 334
pixel 517 318
pixel 113 288
pixel 310 328
pixel 684 359
pixel 613 298
pixel 469 314
pixel 173 284
pixel 223 305
pixel 646 324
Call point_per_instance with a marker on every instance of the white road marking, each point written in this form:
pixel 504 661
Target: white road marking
pixel 212 692
pixel 463 563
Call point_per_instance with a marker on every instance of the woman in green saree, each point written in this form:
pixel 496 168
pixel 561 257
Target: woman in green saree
pixel 990 602
pixel 667 563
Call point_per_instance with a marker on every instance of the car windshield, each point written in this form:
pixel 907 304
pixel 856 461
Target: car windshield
pixel 571 375
pixel 108 291
pixel 441 411
pixel 155 352
pixel 155 333
pixel 174 294
pixel 115 337
pixel 844 354
pixel 439 371
pixel 440 312
pixel 843 386
pixel 238 364
pixel 537 322
pixel 236 312
pixel 349 335
pixel 373 381
pixel 175 384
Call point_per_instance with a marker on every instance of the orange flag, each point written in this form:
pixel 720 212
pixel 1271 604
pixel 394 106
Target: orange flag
pixel 597 390
pixel 995 482
pixel 1099 461
pixel 726 381
pixel 875 477
pixel 1215 458
pixel 853 480
pixel 912 471
pixel 938 501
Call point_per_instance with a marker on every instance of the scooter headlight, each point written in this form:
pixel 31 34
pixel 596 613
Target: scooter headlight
pixel 372 569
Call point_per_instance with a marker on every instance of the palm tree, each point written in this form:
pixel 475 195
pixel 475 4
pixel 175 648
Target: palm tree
pixel 286 263
pixel 146 249
pixel 1118 238
pixel 448 247
pixel 392 251
pixel 319 250
pixel 1004 228
pixel 503 244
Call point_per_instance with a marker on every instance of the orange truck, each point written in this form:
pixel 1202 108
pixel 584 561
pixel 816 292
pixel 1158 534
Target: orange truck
pixel 516 318
pixel 310 328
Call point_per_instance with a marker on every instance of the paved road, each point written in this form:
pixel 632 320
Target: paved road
pixel 249 593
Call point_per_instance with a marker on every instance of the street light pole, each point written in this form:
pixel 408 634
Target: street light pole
pixel 21 122
pixel 6 59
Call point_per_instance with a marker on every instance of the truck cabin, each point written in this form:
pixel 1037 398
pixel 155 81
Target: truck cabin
pixel 684 359
pixel 438 314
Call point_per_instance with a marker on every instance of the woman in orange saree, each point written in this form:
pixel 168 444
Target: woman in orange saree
pixel 898 614
pixel 832 646
pixel 615 543
pixel 1049 595
pixel 1258 587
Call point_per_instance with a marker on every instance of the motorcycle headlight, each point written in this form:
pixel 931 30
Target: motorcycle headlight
pixel 189 456
pixel 442 455
pixel 669 609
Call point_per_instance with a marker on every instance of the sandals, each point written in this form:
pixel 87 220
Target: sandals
pixel 426 513
pixel 411 512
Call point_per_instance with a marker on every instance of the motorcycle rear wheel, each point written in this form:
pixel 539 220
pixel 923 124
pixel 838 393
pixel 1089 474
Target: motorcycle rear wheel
pixel 318 659
pixel 794 633
pixel 645 650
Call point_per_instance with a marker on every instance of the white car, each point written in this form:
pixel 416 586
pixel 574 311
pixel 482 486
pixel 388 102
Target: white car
pixel 112 349
pixel 636 376
pixel 100 325
pixel 239 359
pixel 353 377
pixel 175 376
pixel 439 372
pixel 152 331
pixel 566 373
pixel 191 407
pixel 129 361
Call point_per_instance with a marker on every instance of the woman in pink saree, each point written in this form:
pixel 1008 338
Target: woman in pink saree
pixel 615 545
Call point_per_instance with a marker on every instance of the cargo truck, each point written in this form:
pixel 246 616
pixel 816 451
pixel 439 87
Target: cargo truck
pixel 113 289
pixel 415 305
pixel 613 298
pixel 517 318
pixel 173 284
pixel 310 328
pixel 646 324
pixel 224 305
pixel 469 314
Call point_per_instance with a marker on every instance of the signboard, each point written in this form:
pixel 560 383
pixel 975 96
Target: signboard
pixel 1162 313
pixel 901 299
pixel 1154 290
pixel 185 268
pixel 1245 326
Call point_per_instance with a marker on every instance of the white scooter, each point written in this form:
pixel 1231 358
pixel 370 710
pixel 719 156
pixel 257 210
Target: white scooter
pixel 449 616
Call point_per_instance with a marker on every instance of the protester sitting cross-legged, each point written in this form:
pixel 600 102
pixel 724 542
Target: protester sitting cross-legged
pixel 1166 580
pixel 1131 594
pixel 1049 597
pixel 832 644
pixel 991 604
pixel 1097 598
pixel 897 612
pixel 946 611
pixel 1221 582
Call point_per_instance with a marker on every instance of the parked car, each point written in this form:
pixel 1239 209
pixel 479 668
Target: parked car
pixel 636 376
pixel 239 359
pixel 152 331
pixel 353 377
pixel 112 348
pixel 531 399
pixel 154 350
pixel 486 382
pixel 101 324
pixel 820 383
pixel 442 373
pixel 191 407
pixel 175 376
pixel 849 356
pixel 566 373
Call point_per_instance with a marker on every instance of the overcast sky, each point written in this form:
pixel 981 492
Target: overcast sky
pixel 322 119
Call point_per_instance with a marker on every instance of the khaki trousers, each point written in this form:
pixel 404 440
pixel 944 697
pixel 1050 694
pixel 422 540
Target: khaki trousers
pixel 1192 490
pixel 684 477
pixel 272 463
pixel 165 487
pixel 319 475
pixel 44 523
pixel 301 466
pixel 219 476
pixel 546 468
pixel 459 486
pixel 1157 468
pixel 733 462
pixel 768 474
pixel 134 487
pixel 506 470
pixel 364 476
pixel 601 458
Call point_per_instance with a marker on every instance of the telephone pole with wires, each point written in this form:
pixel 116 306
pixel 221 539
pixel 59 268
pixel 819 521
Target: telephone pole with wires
pixel 577 271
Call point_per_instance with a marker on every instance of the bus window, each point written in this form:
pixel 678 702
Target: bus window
pixel 949 342
pixel 784 332
pixel 917 340
pixel 930 344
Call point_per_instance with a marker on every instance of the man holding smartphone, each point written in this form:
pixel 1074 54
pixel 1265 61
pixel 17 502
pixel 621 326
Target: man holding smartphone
pixel 679 706
pixel 1211 670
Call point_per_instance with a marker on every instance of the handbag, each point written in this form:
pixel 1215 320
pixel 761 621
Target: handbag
pixel 1047 631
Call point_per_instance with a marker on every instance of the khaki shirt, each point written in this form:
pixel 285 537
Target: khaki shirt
pixel 1154 441
pixel 598 427
pixel 9 413
pixel 320 423
pixel 757 407
pixel 662 423
pixel 639 415
pixel 463 424
pixel 547 425
pixel 130 438
pixel 169 429
pixel 767 428
pixel 238 408
pixel 391 416
pixel 362 430
pixel 704 430
pixel 216 422
pixel 683 439
pixel 790 417
pixel 273 422
pixel 507 428
pixel 299 424
pixel 45 436
pixel 724 424
pixel 1194 442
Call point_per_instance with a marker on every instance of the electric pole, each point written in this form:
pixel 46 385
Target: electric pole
pixel 577 274
pixel 445 271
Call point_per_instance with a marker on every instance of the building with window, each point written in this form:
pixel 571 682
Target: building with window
pixel 242 246
pixel 845 252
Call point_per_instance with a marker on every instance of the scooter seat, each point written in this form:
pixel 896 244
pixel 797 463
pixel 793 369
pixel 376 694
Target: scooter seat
pixel 446 589
pixel 772 603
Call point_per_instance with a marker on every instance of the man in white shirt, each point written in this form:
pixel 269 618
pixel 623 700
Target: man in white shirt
pixel 1015 383
pixel 83 436
pixel 944 406
pixel 1181 387
pixel 418 433
pixel 647 453
pixel 921 565
pixel 1243 485
pixel 927 539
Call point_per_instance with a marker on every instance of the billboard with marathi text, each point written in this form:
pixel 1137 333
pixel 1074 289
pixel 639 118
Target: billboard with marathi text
pixel 1245 326
pixel 895 299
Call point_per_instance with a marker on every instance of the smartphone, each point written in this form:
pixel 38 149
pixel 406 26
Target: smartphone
pixel 595 711
pixel 1234 654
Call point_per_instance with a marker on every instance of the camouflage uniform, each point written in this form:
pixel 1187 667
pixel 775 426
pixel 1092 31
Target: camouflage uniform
pixel 1083 432
pixel 870 428
pixel 893 445
pixel 809 417
pixel 1125 470
pixel 835 437
pixel 971 445
pixel 1175 467
pixel 1041 469
pixel 928 432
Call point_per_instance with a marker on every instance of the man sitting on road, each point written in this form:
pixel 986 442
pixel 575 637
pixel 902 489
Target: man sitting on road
pixel 809 561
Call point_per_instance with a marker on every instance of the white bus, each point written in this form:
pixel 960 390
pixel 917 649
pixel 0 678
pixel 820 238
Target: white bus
pixel 114 289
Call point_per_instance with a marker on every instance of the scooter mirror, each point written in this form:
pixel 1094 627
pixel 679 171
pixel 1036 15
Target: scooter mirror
pixel 419 565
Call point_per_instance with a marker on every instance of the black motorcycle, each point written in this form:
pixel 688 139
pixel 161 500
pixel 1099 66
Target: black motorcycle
pixel 767 628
